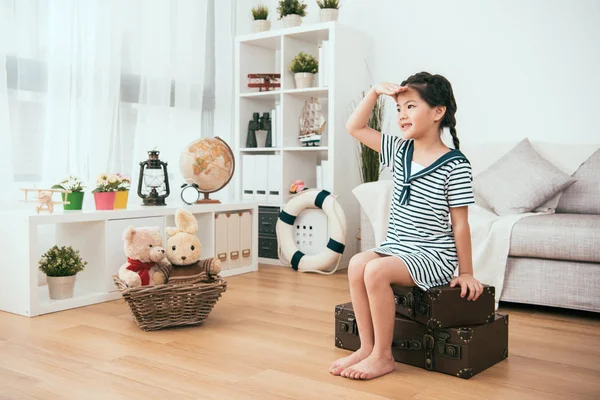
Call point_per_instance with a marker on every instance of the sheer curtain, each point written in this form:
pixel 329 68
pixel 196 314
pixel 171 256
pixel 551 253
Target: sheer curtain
pixel 91 85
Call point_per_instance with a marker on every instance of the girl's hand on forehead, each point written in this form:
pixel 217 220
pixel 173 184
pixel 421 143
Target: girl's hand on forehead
pixel 389 89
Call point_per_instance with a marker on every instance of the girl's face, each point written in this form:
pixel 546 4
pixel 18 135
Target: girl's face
pixel 415 117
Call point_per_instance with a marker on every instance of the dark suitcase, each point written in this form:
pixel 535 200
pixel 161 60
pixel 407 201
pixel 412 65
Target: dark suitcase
pixel 442 306
pixel 461 351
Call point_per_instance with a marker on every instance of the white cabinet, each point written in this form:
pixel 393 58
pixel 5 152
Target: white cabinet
pixel 98 235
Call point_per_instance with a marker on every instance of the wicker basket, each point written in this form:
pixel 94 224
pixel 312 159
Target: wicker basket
pixel 169 305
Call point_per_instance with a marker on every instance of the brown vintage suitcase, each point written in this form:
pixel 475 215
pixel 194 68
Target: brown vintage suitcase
pixel 460 351
pixel 442 306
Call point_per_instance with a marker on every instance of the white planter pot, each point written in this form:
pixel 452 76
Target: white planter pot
pixel 261 25
pixel 328 14
pixel 61 287
pixel 291 20
pixel 304 79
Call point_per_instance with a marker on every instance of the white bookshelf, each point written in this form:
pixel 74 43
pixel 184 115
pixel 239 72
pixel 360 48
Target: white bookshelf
pixel 272 52
pixel 98 237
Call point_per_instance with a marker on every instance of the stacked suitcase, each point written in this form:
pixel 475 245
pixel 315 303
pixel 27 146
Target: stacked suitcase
pixel 438 330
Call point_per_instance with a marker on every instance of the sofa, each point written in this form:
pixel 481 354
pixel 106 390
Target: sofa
pixel 554 254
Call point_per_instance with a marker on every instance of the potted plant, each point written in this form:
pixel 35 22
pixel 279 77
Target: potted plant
pixel 61 266
pixel 75 198
pixel 105 191
pixel 329 10
pixel 291 12
pixel 122 193
pixel 260 14
pixel 304 67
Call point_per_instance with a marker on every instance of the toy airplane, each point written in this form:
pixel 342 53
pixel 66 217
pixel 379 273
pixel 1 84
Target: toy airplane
pixel 44 198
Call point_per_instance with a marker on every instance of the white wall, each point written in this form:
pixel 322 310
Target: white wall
pixel 519 68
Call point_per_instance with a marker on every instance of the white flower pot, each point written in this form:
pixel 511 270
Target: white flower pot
pixel 61 287
pixel 328 14
pixel 261 25
pixel 304 79
pixel 291 20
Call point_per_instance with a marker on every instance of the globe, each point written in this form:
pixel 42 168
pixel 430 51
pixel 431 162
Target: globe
pixel 207 164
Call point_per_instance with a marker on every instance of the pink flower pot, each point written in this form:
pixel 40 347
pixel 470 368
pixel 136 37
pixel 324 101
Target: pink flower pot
pixel 104 200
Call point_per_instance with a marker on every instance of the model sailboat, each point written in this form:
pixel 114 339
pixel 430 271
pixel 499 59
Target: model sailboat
pixel 312 123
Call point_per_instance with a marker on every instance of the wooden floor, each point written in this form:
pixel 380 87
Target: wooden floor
pixel 271 337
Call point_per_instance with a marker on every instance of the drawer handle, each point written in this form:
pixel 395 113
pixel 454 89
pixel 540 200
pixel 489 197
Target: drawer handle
pixel 246 253
pixel 265 223
pixel 222 256
pixel 235 255
pixel 265 248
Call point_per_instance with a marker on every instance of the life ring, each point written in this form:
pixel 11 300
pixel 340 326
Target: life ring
pixel 336 223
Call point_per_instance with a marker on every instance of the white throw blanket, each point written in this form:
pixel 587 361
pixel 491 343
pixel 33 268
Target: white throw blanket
pixel 490 233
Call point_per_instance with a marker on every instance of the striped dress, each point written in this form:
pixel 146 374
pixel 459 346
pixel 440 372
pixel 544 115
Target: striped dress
pixel 419 231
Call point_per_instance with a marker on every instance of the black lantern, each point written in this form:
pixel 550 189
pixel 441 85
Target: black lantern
pixel 153 184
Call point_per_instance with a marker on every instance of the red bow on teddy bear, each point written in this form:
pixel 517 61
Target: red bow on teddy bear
pixel 141 268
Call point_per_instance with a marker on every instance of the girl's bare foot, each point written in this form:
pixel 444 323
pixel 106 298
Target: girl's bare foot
pixel 369 368
pixel 339 365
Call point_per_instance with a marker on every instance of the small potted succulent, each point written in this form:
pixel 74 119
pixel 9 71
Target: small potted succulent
pixel 304 67
pixel 105 191
pixel 329 10
pixel 291 12
pixel 260 14
pixel 61 265
pixel 75 198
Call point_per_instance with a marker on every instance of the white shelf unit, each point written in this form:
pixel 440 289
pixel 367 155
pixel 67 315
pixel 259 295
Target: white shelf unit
pixel 272 52
pixel 98 237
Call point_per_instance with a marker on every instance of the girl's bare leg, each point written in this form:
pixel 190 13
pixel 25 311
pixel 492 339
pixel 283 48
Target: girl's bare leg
pixel 379 275
pixel 362 311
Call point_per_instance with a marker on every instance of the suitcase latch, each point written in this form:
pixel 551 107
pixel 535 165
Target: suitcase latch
pixel 349 326
pixel 407 301
pixel 407 344
pixel 447 349
pixel 428 343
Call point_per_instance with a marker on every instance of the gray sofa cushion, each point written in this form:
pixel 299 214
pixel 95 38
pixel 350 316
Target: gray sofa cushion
pixel 583 197
pixel 573 237
pixel 520 181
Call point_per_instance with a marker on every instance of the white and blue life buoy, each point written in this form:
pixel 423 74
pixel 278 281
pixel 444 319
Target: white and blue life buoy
pixel 336 224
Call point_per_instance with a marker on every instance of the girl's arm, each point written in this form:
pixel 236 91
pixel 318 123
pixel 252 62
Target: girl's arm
pixel 462 237
pixel 357 123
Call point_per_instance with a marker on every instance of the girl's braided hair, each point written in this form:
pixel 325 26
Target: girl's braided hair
pixel 436 91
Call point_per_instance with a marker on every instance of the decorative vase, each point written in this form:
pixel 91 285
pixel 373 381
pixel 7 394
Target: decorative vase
pixel 261 25
pixel 104 200
pixel 304 79
pixel 61 287
pixel 328 14
pixel 291 20
pixel 121 199
pixel 75 200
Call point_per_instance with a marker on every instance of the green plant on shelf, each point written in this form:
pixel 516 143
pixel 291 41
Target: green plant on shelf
pixel 289 7
pixel 304 63
pixel 260 12
pixel 72 184
pixel 61 261
pixel 329 4
pixel 368 159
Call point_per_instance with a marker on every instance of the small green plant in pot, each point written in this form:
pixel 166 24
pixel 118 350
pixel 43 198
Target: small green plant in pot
pixel 291 12
pixel 329 10
pixel 61 265
pixel 260 14
pixel 75 198
pixel 304 67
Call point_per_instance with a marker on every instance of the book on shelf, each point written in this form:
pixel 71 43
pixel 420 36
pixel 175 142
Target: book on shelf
pixel 324 61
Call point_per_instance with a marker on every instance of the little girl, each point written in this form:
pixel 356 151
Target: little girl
pixel 421 248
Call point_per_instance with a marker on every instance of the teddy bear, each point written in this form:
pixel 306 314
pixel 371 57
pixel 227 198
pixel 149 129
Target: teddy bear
pixel 146 264
pixel 184 250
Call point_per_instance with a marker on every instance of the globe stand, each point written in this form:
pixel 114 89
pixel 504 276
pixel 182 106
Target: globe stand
pixel 206 200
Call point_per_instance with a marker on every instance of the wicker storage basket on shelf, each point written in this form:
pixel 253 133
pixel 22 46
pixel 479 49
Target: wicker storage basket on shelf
pixel 172 304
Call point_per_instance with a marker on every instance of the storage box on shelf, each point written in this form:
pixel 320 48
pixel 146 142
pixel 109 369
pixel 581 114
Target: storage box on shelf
pixel 224 228
pixel 267 173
